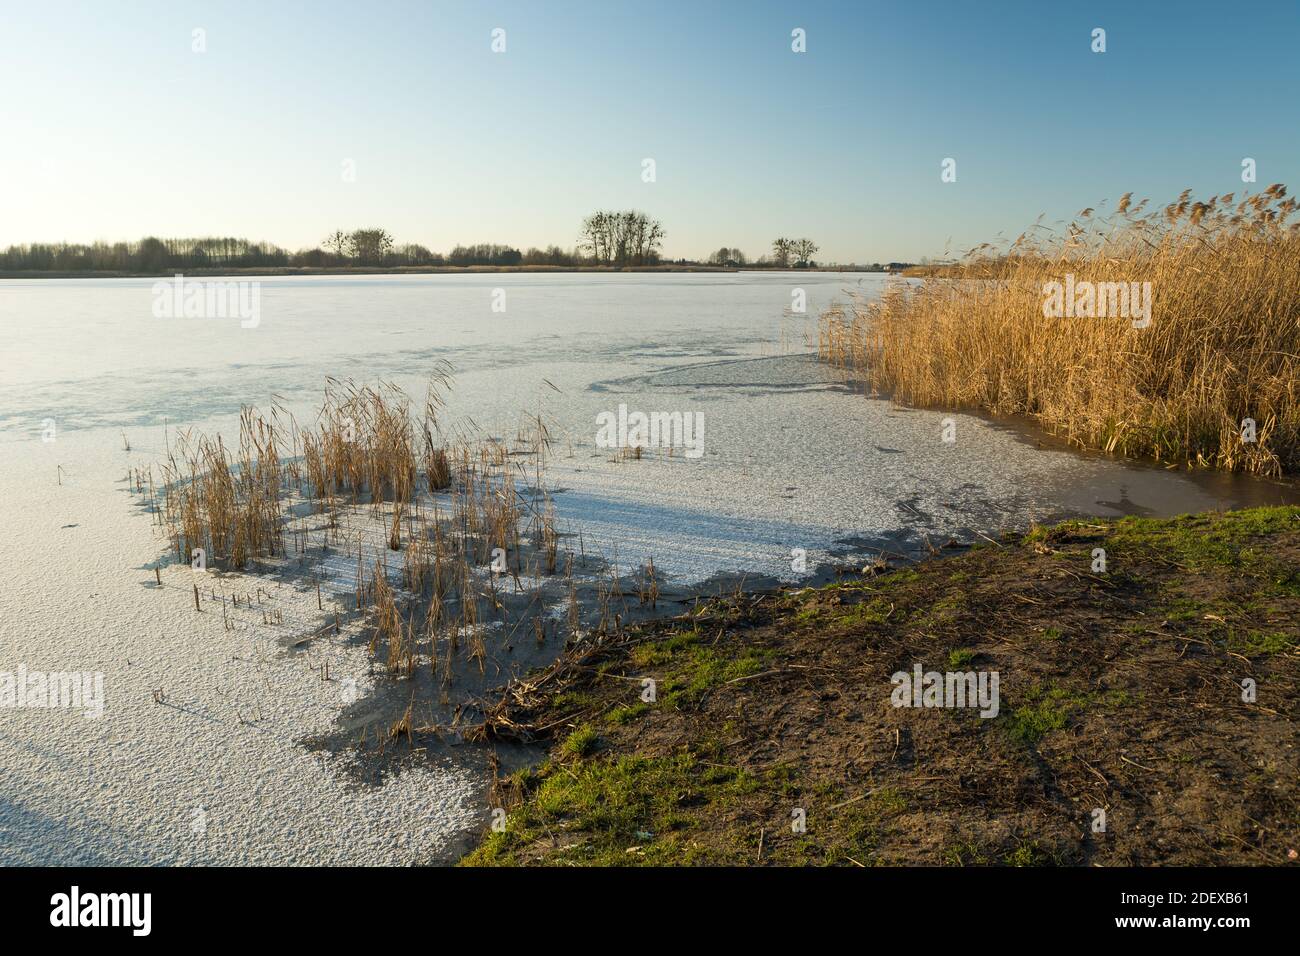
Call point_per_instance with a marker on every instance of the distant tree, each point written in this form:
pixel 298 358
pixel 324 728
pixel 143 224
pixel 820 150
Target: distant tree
pixel 414 254
pixel 729 258
pixel 551 256
pixel 804 250
pixel 628 238
pixel 485 254
pixel 152 255
pixel 782 251
pixel 308 257
pixel 338 242
pixel 370 246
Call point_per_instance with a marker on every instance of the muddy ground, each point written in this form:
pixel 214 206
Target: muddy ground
pixel 1126 732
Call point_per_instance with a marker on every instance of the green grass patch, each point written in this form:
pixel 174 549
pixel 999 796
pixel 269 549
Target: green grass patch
pixel 875 611
pixel 661 652
pixel 1044 710
pixel 581 742
pixel 959 657
pixel 703 668
pixel 1259 642
pixel 574 701
pixel 1208 540
pixel 965 854
pixel 597 810
pixel 1029 854
pixel 626 713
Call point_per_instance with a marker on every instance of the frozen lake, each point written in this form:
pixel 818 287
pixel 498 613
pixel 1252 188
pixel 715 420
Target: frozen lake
pixel 793 458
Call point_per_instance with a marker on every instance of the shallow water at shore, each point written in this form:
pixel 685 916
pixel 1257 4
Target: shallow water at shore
pixel 794 458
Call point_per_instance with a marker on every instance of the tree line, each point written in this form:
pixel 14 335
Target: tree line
pixel 612 238
pixel 148 255
pixel 371 248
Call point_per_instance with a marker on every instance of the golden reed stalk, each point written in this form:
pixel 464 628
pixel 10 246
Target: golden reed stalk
pixel 1223 343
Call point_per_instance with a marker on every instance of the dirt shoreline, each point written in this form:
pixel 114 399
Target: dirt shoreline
pixel 1121 700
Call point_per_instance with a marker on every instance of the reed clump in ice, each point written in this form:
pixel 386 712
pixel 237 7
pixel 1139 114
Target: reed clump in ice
pixel 436 528
pixel 1222 346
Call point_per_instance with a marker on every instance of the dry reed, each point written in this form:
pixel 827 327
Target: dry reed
pixel 1223 344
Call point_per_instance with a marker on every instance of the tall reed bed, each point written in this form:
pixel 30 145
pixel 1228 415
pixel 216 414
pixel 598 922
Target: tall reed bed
pixel 1222 346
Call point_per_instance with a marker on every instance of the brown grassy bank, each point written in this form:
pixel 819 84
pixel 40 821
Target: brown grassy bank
pixel 1222 346
pixel 1120 692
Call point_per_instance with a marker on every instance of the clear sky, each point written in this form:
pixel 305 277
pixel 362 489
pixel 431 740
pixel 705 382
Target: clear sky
pixel 111 127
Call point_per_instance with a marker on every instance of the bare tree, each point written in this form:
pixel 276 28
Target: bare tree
pixel 782 250
pixel 804 250
pixel 628 238
pixel 338 241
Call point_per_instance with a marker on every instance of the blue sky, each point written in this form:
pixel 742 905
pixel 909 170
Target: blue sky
pixel 114 128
